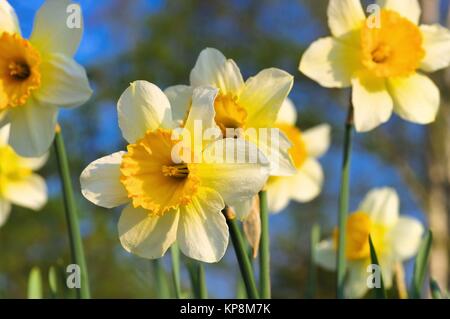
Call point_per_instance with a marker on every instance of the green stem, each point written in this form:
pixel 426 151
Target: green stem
pixel 343 204
pixel 76 243
pixel 242 257
pixel 264 248
pixel 198 281
pixel 162 287
pixel 203 291
pixel 176 269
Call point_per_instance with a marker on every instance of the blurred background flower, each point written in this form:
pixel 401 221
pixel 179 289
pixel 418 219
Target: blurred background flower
pixel 159 41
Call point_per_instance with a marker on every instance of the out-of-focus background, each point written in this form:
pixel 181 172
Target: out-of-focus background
pixel 159 40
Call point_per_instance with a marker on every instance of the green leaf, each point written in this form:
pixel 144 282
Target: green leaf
pixel 421 265
pixel 35 284
pixel 436 292
pixel 312 273
pixel 53 281
pixel 380 293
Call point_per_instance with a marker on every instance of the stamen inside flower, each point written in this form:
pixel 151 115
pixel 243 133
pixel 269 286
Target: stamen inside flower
pixel 11 169
pixel 19 70
pixel 395 48
pixel 229 114
pixel 153 181
pixel 359 227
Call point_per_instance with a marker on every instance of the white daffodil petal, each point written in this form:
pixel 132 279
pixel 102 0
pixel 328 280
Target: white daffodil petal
pixel 436 42
pixel 345 16
pixel 180 98
pixel 202 110
pixel 147 235
pixel 34 163
pixel 32 128
pixel 371 102
pixel 212 68
pixel 58 27
pixel 387 265
pixel 416 98
pixel 242 208
pixel 235 168
pixel 307 183
pixel 100 182
pixel 8 18
pixel 142 107
pixel 405 237
pixel 278 193
pixel 317 140
pixel 263 95
pixel 30 192
pixel 382 205
pixel 63 83
pixel 330 63
pixel 409 9
pixel 325 255
pixel 5 209
pixel 4 134
pixel 356 284
pixel 203 231
pixel 287 113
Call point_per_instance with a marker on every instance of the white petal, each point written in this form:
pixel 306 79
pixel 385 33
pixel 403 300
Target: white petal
pixel 243 208
pixel 5 209
pixel 235 180
pixel 317 140
pixel 30 192
pixel 330 63
pixel 405 237
pixel 35 163
pixel 202 110
pixel 345 16
pixel 275 146
pixel 372 103
pixel 307 183
pixel 8 18
pixel 212 68
pixel 63 83
pixel 4 134
pixel 382 204
pixel 180 98
pixel 203 231
pixel 32 128
pixel 287 113
pixel 100 182
pixel 146 235
pixel 409 9
pixel 436 42
pixel 325 255
pixel 387 266
pixel 278 193
pixel 263 95
pixel 356 284
pixel 53 29
pixel 142 107
pixel 416 98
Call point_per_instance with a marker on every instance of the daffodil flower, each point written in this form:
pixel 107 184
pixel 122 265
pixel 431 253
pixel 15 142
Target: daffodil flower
pixel 395 238
pixel 167 200
pixel 240 105
pixel 382 58
pixel 39 75
pixel 18 184
pixel 307 146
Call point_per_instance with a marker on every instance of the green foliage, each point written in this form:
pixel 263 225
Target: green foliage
pixel 35 284
pixel 421 265
pixel 380 293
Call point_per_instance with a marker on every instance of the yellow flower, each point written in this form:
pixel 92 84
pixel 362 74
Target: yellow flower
pixel 39 75
pixel 381 58
pixel 395 238
pixel 18 184
pixel 307 182
pixel 167 199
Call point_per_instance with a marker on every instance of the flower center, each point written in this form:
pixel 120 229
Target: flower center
pixel 11 169
pixel 298 150
pixel 153 181
pixel 19 70
pixel 229 114
pixel 359 227
pixel 395 48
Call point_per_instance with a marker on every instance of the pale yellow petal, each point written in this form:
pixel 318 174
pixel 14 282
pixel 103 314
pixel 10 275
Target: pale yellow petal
pixel 5 210
pixel 8 18
pixel 287 113
pixel 180 98
pixel 307 183
pixel 325 255
pixel 436 42
pixel 382 205
pixel 30 192
pixel 405 237
pixel 317 139
pixel 345 16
